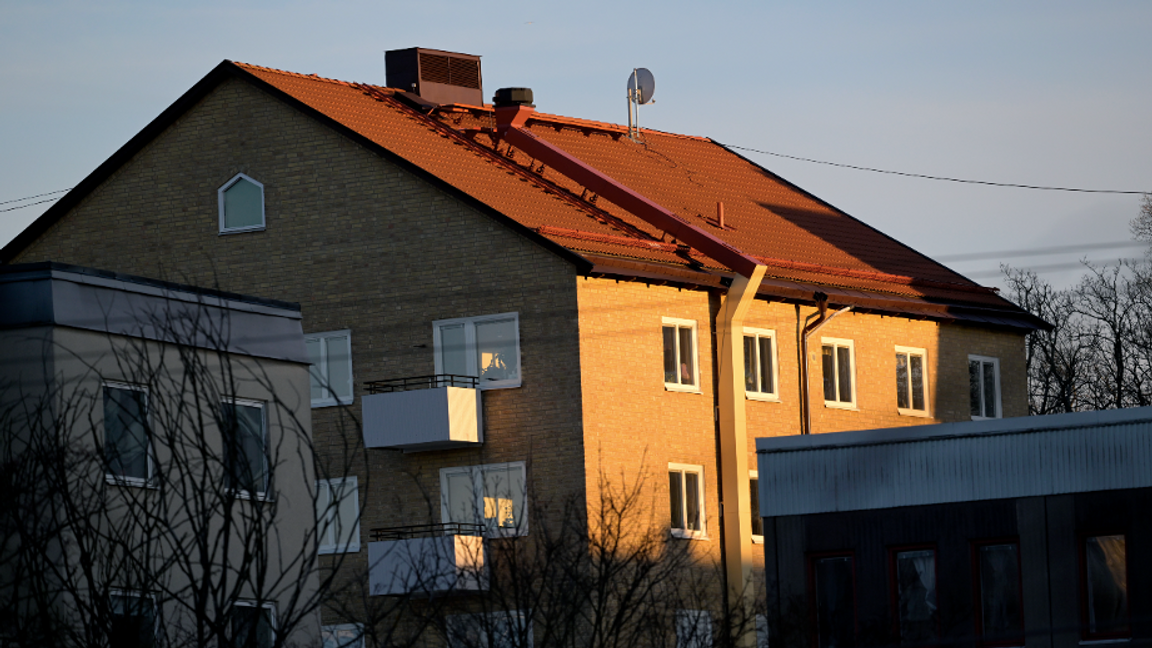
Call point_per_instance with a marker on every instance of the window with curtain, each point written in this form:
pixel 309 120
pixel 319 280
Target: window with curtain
pixel 915 582
pixel 1105 589
pixel 686 500
pixel 680 371
pixel 838 367
pixel 760 364
pixel 485 347
pixel 494 495
pixel 1001 608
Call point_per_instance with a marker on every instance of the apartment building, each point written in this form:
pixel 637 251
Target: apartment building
pixel 156 453
pixel 525 307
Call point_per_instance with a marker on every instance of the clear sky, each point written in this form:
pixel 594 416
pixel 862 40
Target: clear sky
pixel 1046 93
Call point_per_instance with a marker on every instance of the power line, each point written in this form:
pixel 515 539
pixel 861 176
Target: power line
pixel 38 202
pixel 1059 249
pixel 932 177
pixel 5 202
pixel 1040 269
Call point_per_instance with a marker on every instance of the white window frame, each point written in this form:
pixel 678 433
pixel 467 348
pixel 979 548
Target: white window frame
pixel 693 629
pixel 220 204
pixel 328 529
pixel 266 605
pixel 686 533
pixel 755 475
pixel 322 369
pixel 694 388
pixel 120 480
pixel 330 635
pixel 909 411
pixel 471 359
pixel 140 595
pixel 995 362
pixel 851 345
pixel 242 493
pixel 482 621
pixel 477 474
pixel 772 396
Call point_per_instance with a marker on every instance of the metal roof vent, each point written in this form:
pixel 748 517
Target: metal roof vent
pixel 513 97
pixel 435 75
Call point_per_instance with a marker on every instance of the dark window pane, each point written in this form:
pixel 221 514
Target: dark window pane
pixel 767 380
pixel 243 205
pixel 917 364
pixel 244 458
pixel 829 360
pixel 902 399
pixel 670 364
pixel 754 499
pixel 687 357
pixel 133 622
pixel 251 627
pixel 676 498
pixel 1000 605
pixel 844 368
pixel 1106 580
pixel 126 432
pixel 750 365
pixel 692 500
pixel 976 401
pixel 989 389
pixel 835 602
pixel 916 596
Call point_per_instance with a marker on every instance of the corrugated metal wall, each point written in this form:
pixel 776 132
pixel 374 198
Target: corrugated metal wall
pixel 956 463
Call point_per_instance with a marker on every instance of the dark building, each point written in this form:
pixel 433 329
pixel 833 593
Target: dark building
pixel 1030 531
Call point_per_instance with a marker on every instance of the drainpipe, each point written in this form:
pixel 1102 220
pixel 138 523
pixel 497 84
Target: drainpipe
pixel 736 506
pixel 810 328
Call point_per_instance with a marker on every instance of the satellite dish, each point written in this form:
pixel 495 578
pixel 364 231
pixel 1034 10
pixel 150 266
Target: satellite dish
pixel 641 85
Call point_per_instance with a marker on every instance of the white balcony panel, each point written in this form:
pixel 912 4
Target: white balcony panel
pixel 425 419
pixel 453 563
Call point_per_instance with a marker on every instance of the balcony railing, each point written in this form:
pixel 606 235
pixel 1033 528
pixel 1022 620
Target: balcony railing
pixel 421 382
pixel 427 531
pixel 423 413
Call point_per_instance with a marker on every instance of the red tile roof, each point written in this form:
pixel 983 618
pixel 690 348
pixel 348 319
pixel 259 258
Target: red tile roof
pixel 807 244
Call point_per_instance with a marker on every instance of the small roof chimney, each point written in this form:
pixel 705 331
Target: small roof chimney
pixel 513 97
pixel 435 75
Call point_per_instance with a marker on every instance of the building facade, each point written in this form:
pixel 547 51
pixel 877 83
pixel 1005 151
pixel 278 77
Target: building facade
pixel 588 290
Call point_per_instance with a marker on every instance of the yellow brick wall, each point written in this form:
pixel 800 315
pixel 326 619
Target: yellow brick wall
pixel 361 244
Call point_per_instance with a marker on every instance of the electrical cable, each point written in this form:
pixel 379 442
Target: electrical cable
pixel 5 202
pixel 932 177
pixel 38 202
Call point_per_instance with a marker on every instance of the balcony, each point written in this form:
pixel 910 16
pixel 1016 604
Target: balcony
pixel 423 413
pixel 427 559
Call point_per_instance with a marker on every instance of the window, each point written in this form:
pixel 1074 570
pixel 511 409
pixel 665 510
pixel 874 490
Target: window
pixel 911 381
pixel 680 371
pixel 338 515
pixel 127 454
pixel 345 635
pixel 241 203
pixel 686 496
pixel 1105 587
pixel 754 500
pixel 252 626
pixel 133 621
pixel 914 585
pixel 511 629
pixel 1000 615
pixel 693 629
pixel 486 347
pixel 245 459
pixel 760 364
pixel 493 495
pixel 330 374
pixel 984 387
pixel 839 369
pixel 834 591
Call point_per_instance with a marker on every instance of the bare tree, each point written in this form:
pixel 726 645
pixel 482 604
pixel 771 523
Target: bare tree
pixel 193 524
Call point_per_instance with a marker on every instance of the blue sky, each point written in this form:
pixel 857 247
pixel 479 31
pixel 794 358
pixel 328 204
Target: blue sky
pixel 1049 93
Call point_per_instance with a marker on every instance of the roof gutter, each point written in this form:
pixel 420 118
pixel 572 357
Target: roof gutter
pixel 513 108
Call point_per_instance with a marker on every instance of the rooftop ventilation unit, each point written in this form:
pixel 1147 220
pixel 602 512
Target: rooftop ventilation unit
pixel 435 75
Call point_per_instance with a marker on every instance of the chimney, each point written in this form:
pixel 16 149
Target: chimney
pixel 436 76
